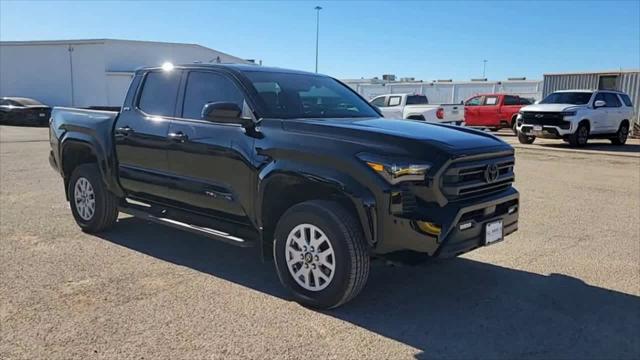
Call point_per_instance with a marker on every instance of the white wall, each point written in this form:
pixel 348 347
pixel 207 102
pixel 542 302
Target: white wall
pixel 130 55
pixel 117 86
pixel 40 72
pixel 89 77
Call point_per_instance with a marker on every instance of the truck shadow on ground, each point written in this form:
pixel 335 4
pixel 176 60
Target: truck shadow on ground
pixel 457 308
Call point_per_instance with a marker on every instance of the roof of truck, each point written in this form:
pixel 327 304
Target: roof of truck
pixel 237 67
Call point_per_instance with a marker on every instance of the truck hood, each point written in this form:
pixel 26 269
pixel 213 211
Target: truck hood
pixel 453 139
pixel 551 107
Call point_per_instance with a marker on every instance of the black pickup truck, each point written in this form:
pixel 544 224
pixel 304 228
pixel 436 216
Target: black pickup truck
pixel 295 163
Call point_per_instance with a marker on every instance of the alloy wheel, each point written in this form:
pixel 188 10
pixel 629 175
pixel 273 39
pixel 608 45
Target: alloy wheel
pixel 85 199
pixel 310 257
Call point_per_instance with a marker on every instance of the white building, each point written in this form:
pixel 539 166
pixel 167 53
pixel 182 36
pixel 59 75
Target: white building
pixel 446 91
pixel 86 73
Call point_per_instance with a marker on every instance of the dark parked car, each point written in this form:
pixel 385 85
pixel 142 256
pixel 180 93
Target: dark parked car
pixel 23 111
pixel 293 163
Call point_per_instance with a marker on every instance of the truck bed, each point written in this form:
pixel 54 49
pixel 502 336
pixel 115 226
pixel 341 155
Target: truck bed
pixel 94 127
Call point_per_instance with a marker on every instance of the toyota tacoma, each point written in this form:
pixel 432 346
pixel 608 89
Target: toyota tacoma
pixel 294 163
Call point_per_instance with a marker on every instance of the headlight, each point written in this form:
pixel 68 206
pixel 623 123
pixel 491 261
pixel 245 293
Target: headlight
pixel 396 170
pixel 568 113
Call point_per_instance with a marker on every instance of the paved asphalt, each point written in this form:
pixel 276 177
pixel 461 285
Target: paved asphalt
pixel 566 285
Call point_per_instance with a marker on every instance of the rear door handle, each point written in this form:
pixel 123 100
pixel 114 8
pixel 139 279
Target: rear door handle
pixel 178 136
pixel 124 131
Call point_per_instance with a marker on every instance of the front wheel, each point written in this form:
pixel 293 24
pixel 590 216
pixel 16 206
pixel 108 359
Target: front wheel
pixel 524 139
pixel 580 137
pixel 94 208
pixel 320 254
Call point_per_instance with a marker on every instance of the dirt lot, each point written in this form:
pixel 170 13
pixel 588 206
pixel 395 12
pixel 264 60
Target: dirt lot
pixel 566 285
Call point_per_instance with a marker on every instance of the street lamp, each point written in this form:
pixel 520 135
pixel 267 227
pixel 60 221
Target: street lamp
pixel 318 8
pixel 484 68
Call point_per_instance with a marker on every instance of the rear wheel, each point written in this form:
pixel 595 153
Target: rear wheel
pixel 580 137
pixel 320 254
pixel 94 208
pixel 524 139
pixel 621 135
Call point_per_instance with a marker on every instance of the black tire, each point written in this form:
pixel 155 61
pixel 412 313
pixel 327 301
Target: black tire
pixel 514 126
pixel 621 135
pixel 524 139
pixel 580 137
pixel 105 211
pixel 351 261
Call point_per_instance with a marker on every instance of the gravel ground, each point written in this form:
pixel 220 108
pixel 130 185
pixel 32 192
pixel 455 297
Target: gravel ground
pixel 566 285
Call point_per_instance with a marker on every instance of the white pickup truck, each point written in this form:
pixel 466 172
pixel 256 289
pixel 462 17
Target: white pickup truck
pixel 417 107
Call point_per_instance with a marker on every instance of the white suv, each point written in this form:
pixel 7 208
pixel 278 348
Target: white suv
pixel 577 115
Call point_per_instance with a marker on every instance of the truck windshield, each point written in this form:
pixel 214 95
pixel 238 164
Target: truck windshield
pixel 575 98
pixel 417 100
pixel 290 96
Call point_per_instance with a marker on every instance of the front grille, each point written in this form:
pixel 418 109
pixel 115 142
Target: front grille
pixel 543 118
pixel 469 178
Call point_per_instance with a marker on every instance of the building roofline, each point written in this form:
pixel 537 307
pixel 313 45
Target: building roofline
pixel 612 72
pixel 53 42
pixel 106 40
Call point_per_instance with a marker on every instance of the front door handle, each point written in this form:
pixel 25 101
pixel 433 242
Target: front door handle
pixel 124 131
pixel 178 136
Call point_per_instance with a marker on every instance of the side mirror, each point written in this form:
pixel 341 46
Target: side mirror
pixel 227 112
pixel 599 104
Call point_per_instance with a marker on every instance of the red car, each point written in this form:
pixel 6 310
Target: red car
pixel 493 111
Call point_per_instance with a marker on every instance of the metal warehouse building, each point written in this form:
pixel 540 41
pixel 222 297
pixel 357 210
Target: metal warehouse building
pixel 86 73
pixel 446 92
pixel 627 81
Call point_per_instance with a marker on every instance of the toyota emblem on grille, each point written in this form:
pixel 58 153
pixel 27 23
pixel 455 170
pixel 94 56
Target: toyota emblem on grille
pixel 539 116
pixel 491 173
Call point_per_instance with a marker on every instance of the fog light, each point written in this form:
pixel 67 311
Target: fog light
pixel 466 226
pixel 429 228
pixel 512 209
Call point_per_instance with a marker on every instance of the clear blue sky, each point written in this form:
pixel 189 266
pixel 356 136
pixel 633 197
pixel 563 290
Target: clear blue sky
pixel 427 40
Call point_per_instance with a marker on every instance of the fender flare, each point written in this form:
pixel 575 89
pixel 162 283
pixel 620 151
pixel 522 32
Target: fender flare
pixel 106 165
pixel 294 173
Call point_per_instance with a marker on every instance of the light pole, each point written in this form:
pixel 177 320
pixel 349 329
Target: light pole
pixel 318 8
pixel 484 68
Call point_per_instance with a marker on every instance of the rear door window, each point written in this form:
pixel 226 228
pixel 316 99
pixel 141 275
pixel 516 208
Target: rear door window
pixel 394 100
pixel 626 100
pixel 490 100
pixel 612 100
pixel 159 93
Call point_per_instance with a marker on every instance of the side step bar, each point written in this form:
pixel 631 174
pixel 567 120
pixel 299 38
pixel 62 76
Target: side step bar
pixel 199 230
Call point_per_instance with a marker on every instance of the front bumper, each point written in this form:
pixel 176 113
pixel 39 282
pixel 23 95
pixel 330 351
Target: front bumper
pixel 401 233
pixel 549 131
